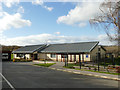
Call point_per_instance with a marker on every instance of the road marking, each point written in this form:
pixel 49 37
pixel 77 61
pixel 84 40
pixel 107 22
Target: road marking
pixel 8 82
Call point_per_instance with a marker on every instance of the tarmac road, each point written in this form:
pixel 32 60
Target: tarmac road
pixel 21 75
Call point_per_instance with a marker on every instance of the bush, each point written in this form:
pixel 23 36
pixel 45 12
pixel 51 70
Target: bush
pixel 117 61
pixel 22 60
pixel 110 62
pixel 118 69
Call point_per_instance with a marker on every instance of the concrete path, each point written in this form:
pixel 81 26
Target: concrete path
pixel 59 66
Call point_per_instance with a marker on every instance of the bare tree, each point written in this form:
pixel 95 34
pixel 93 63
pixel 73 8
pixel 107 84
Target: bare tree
pixel 109 20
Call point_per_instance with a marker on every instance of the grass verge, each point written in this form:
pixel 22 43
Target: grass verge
pixel 45 65
pixel 93 71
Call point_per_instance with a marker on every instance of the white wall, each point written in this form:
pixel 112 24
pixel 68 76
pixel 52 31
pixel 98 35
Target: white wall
pixel 26 55
pixel 42 56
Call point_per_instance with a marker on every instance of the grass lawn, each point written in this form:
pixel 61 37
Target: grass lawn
pixel 99 71
pixel 45 65
pixel 70 66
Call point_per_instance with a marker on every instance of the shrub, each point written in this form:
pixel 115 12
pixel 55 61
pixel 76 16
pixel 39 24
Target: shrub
pixel 118 69
pixel 22 60
pixel 117 61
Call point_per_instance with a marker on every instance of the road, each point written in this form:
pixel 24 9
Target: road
pixel 22 75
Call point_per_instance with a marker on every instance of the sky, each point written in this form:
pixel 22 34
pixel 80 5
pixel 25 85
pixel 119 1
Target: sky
pixel 39 22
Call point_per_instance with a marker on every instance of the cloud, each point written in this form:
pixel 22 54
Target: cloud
pixel 82 24
pixel 80 14
pixel 9 3
pixel 0 6
pixel 38 2
pixel 20 9
pixel 8 21
pixel 48 8
pixel 49 38
pixel 41 3
pixel 58 33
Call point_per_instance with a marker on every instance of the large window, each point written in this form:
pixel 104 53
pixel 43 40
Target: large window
pixel 19 55
pixel 5 55
pixel 53 55
pixel 64 56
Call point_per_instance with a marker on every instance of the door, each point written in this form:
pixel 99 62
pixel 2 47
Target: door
pixel 35 57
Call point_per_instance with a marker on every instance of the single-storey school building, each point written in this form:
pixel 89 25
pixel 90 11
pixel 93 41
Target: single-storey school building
pixel 84 51
pixel 28 52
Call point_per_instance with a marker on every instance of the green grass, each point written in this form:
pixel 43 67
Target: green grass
pixel 45 65
pixel 90 70
pixel 72 65
pixel 98 71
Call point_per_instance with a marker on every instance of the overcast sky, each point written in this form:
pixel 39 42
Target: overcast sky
pixel 39 22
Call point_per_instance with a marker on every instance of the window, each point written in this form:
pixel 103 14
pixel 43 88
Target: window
pixel 87 56
pixel 5 55
pixel 64 56
pixel 19 55
pixel 53 55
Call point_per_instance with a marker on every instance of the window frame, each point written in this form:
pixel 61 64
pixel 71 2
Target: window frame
pixel 64 56
pixel 53 55
pixel 20 55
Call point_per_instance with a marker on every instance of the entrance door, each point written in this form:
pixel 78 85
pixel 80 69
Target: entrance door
pixel 63 57
pixel 75 58
pixel 35 56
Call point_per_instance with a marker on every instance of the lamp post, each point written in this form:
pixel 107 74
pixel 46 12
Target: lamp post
pixel 45 52
pixel 104 61
pixel 65 62
pixel 67 59
pixel 99 56
pixel 80 60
